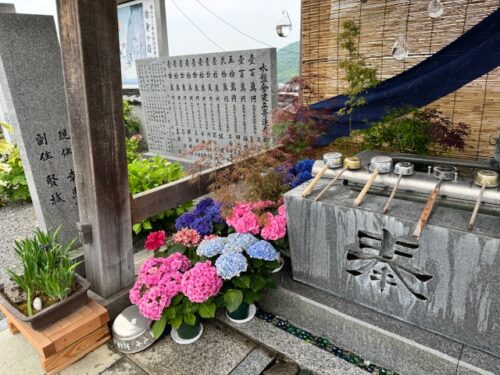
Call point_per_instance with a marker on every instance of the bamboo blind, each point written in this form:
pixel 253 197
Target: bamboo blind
pixel 381 21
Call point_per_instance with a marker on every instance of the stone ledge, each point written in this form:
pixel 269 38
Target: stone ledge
pixel 306 355
pixel 383 340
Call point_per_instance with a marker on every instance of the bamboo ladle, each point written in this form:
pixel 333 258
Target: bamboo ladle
pixel 350 163
pixel 443 173
pixel 378 165
pixel 402 168
pixel 330 160
pixel 485 179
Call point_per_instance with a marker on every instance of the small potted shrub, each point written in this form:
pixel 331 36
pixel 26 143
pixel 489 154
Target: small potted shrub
pixel 245 263
pixel 50 287
pixel 172 290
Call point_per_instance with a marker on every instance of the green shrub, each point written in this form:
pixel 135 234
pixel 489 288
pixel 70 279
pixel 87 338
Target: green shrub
pixel 412 130
pixel 145 174
pixel 13 184
pixel 132 149
pixel 131 122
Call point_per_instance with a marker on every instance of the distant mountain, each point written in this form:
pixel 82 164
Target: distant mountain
pixel 288 61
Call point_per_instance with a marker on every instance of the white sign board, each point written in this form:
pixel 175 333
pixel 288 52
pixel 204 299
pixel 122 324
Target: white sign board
pixel 223 97
pixel 138 36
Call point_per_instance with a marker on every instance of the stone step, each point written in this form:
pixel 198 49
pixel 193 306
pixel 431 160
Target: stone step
pixel 282 368
pixel 384 341
pixel 255 362
pixel 305 355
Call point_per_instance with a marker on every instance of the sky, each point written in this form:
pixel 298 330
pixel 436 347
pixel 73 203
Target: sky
pixel 257 18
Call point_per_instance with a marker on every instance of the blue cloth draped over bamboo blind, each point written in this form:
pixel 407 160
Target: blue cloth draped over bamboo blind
pixel 472 55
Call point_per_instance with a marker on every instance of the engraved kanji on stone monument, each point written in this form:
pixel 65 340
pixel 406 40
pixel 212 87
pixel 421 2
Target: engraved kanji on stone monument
pixel 39 115
pixel 225 98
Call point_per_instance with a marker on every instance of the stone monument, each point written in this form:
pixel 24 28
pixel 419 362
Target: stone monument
pixel 7 8
pixel 32 86
pixel 225 98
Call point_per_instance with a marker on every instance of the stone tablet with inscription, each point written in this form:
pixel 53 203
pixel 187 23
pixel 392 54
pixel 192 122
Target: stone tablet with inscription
pixel 223 97
pixel 32 88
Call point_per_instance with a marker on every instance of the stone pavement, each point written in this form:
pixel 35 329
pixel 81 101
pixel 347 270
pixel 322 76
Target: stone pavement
pixel 220 351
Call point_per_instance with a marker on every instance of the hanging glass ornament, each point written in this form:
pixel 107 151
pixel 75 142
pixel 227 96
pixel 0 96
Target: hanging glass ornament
pixel 284 25
pixel 436 9
pixel 400 49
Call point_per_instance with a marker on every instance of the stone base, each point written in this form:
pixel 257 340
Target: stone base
pixel 383 340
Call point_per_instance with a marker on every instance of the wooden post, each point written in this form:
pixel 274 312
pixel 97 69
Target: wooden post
pixel 91 61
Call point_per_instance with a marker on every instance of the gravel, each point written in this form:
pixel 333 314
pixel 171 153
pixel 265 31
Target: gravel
pixel 17 221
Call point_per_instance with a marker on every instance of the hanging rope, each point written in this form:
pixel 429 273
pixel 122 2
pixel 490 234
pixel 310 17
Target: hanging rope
pixel 196 26
pixel 231 26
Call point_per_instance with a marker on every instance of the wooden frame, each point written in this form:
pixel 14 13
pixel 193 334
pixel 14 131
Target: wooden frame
pixel 155 201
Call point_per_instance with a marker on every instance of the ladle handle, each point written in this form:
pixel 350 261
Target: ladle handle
pixel 426 212
pixel 330 184
pixel 476 208
pixel 315 180
pixel 386 207
pixel 363 192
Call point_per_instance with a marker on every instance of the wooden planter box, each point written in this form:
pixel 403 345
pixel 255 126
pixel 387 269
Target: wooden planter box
pixel 69 339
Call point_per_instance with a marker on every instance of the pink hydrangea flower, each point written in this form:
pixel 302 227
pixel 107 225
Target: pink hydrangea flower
pixel 177 262
pixel 155 240
pixel 260 205
pixel 243 220
pixel 210 237
pixel 274 227
pixel 137 292
pixel 282 210
pixel 158 282
pixel 187 237
pixel 201 282
pixel 153 302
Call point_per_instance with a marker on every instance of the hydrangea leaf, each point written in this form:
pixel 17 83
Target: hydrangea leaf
pixel 242 282
pixel 233 299
pixel 190 319
pixel 207 310
pixel 159 326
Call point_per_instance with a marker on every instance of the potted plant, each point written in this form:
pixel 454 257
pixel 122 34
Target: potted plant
pixel 172 290
pixel 50 287
pixel 245 263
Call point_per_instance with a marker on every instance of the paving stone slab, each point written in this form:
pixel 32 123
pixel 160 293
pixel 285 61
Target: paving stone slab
pixel 18 356
pixel 124 367
pixel 217 352
pixel 256 362
pixel 282 368
pixel 95 362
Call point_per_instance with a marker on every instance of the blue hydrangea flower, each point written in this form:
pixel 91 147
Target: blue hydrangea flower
pixel 232 248
pixel 203 226
pixel 203 205
pixel 301 178
pixel 211 248
pixel 304 165
pixel 263 250
pixel 184 220
pixel 206 213
pixel 244 240
pixel 213 212
pixel 231 265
